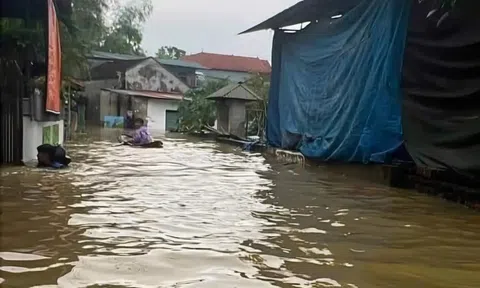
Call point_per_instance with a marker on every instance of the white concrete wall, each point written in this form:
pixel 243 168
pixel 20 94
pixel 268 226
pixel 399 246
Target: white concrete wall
pixel 151 76
pixel 33 137
pixel 157 116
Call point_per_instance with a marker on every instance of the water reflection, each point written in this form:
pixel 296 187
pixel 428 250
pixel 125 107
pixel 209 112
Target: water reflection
pixel 205 215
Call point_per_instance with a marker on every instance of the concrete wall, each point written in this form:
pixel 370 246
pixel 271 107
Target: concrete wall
pixel 140 107
pixel 150 75
pixel 33 136
pixel 185 74
pixel 108 105
pixel 156 112
pixel 236 117
pixel 222 116
pixel 92 93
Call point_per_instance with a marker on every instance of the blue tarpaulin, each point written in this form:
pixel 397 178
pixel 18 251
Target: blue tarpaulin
pixel 335 87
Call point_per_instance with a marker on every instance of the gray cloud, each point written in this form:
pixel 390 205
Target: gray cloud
pixel 212 26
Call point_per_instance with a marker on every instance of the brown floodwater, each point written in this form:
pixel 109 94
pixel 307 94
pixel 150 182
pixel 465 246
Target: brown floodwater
pixel 201 214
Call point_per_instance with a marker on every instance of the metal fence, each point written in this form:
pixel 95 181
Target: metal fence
pixel 11 129
pixel 12 89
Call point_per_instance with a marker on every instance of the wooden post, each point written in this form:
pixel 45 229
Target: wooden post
pixel 69 133
pixel 246 123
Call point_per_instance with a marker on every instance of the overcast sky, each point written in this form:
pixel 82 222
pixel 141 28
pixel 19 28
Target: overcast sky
pixel 212 26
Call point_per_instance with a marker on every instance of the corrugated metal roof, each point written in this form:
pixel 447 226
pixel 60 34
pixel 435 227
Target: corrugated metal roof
pixel 170 62
pixel 181 63
pixel 149 94
pixel 109 69
pixel 235 91
pixel 230 62
pixel 305 11
pixel 114 56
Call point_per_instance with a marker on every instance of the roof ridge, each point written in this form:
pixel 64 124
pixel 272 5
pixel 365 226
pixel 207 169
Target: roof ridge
pixel 227 55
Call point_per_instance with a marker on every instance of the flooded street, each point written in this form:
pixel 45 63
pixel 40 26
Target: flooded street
pixel 202 214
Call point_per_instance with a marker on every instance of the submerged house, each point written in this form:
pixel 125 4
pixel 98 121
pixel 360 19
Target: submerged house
pixel 160 109
pixel 142 85
pixel 229 67
pixel 231 103
pixel 31 109
pixel 363 79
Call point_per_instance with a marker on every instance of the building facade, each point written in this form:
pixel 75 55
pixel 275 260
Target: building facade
pixel 159 109
pixel 145 76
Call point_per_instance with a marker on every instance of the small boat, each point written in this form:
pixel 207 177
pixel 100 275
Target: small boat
pixel 125 140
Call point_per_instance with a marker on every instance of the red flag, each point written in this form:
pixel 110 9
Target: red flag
pixel 54 75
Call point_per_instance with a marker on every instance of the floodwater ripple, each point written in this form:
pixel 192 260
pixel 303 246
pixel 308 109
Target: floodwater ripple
pixel 206 215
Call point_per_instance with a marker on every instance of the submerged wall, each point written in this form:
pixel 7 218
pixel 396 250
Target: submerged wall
pixel 34 135
pixel 237 117
pixel 157 114
pixel 441 81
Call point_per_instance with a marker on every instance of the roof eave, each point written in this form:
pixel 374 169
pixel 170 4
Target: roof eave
pixel 265 25
pixel 231 98
pixel 304 11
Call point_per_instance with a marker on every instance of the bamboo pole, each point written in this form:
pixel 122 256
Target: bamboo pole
pixel 69 111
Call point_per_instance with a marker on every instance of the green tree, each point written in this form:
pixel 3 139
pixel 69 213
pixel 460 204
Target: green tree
pixel 86 29
pixel 257 111
pixel 83 28
pixel 200 111
pixel 82 31
pixel 170 52
pixel 125 34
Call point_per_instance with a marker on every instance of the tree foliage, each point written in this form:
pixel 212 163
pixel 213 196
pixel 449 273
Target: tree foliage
pixel 257 111
pixel 195 114
pixel 124 36
pixel 86 31
pixel 170 52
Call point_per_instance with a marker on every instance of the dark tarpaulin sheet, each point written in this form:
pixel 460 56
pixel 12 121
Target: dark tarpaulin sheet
pixel 335 88
pixel 441 78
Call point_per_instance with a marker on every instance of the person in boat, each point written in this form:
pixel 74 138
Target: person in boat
pixel 52 156
pixel 142 135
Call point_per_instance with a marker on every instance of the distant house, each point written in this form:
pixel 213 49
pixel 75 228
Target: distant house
pixel 184 70
pixel 231 103
pixel 234 68
pixel 160 109
pixel 116 86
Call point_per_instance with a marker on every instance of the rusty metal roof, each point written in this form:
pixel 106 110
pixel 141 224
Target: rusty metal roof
pixel 149 94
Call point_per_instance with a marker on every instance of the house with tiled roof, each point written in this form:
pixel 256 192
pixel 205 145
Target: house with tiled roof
pixel 231 67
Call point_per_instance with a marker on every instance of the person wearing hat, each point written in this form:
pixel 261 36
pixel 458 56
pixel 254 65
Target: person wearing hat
pixel 52 156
